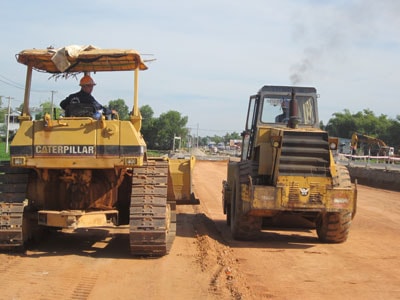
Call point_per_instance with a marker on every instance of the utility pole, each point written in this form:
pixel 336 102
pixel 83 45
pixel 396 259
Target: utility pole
pixel 8 121
pixel 1 102
pixel 197 141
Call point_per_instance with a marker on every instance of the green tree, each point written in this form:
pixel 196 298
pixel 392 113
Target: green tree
pixel 345 124
pixel 159 132
pixel 167 126
pixel 3 112
pixel 20 107
pixel 394 130
pixel 148 130
pixel 231 136
pixel 217 139
pixel 366 122
pixel 342 124
pixel 46 108
pixel 120 106
pixel 203 141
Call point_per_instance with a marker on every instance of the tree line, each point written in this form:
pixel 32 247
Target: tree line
pixel 344 124
pixel 159 132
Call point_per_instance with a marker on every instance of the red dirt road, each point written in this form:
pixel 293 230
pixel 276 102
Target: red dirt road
pixel 205 263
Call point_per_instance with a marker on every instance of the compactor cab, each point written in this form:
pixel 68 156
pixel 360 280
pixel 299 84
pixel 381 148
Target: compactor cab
pixel 83 170
pixel 287 169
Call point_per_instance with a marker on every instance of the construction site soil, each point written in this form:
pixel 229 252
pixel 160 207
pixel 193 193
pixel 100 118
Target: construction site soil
pixel 206 263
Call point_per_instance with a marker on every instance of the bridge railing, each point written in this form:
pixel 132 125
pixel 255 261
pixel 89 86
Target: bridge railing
pixel 367 161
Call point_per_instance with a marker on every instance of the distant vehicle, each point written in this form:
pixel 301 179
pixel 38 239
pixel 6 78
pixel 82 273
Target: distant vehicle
pixel 213 149
pixel 221 146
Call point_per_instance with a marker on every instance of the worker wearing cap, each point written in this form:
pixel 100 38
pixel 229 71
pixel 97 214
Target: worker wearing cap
pixel 85 96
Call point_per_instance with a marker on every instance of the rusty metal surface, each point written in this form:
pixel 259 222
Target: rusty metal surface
pixel 87 60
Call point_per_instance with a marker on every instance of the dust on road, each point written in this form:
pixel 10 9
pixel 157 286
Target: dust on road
pixel 205 263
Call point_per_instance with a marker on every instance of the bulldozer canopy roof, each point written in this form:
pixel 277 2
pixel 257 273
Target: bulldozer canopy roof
pixel 74 59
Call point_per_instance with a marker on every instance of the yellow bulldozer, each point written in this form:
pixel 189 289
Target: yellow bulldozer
pixel 287 170
pixel 77 171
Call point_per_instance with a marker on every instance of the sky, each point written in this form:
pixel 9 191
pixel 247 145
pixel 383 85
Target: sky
pixel 208 57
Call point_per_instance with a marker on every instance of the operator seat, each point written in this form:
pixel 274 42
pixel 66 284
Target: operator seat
pixel 80 110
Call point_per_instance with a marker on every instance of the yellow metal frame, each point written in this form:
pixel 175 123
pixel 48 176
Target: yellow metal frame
pixel 77 218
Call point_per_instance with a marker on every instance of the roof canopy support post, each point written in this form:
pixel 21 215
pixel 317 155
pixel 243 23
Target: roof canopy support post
pixel 136 93
pixel 136 118
pixel 28 83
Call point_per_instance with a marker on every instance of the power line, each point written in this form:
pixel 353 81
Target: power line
pixel 8 120
pixel 11 84
pixel 19 86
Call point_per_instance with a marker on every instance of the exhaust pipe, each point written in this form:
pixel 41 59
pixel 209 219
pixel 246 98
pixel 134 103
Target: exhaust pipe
pixel 293 111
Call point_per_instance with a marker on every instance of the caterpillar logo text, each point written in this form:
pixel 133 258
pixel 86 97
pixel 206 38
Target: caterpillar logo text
pixel 64 150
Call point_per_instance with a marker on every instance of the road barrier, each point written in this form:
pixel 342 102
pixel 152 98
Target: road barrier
pixel 376 171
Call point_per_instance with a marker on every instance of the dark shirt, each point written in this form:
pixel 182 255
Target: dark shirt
pixel 282 118
pixel 82 97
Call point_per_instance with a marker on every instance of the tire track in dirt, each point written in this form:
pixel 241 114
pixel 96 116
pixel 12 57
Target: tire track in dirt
pixel 217 259
pixel 214 255
pixel 23 277
pixel 31 274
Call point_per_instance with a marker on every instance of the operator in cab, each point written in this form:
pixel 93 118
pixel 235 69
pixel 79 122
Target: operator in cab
pixel 284 116
pixel 83 103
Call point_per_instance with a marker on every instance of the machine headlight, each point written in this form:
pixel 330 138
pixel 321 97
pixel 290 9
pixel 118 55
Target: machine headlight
pixel 276 141
pixel 18 161
pixel 130 161
pixel 333 143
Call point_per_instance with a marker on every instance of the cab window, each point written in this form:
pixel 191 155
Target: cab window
pixel 275 109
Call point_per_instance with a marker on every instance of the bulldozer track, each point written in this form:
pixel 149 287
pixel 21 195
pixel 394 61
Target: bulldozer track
pixel 152 217
pixel 13 184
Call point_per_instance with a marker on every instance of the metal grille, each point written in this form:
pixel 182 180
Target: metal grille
pixel 294 192
pixel 305 154
pixel 315 194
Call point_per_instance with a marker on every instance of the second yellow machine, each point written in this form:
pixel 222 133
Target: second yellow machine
pixel 287 169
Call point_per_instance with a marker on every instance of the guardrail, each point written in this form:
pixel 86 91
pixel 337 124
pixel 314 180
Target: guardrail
pixel 367 161
pixel 376 171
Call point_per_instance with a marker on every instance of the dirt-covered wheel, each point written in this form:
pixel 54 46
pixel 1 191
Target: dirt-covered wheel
pixel 344 180
pixel 226 202
pixel 243 227
pixel 333 227
pixel 228 214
